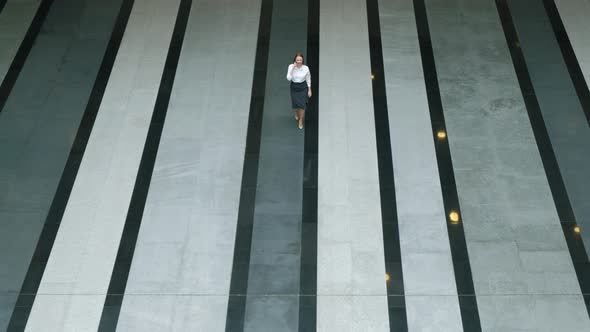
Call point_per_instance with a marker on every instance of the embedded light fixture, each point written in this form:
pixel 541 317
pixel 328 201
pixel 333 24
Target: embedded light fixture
pixel 441 134
pixel 372 76
pixel 577 229
pixel 454 217
pixel 387 277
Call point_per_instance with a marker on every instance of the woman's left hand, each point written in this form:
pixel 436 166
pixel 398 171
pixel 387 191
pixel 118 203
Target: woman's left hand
pixel 309 93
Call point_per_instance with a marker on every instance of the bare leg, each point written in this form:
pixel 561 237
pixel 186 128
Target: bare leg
pixel 301 118
pixel 296 113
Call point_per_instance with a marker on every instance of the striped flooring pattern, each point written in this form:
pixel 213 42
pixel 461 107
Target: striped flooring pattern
pixel 152 177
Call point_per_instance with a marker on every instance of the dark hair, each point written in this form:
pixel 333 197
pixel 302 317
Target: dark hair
pixel 301 55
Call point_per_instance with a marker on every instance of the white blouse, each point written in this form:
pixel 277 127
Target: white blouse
pixel 299 74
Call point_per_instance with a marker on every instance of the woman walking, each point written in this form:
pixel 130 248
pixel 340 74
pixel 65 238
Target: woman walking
pixel 300 77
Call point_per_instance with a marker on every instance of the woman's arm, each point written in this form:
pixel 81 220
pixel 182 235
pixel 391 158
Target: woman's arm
pixel 308 80
pixel 290 72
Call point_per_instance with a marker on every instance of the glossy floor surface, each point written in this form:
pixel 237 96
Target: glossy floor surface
pixel 153 178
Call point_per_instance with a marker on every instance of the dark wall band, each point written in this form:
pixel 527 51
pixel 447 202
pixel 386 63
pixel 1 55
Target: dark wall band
pixel 558 190
pixel 391 242
pixel 23 51
pixel 120 275
pixel 36 268
pixel 243 242
pixel 460 256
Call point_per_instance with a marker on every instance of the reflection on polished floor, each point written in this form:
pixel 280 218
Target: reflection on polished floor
pixel 152 177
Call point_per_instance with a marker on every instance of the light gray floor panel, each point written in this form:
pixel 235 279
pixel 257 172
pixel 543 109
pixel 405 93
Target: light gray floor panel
pixel 40 119
pixel 186 243
pixel 351 313
pixel 85 248
pixel 508 188
pixel 426 256
pixel 351 266
pixel 174 313
pixel 431 313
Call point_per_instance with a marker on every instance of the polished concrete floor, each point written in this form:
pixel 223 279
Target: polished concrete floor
pixel 153 178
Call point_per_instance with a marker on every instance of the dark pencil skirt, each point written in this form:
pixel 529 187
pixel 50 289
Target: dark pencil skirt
pixel 299 95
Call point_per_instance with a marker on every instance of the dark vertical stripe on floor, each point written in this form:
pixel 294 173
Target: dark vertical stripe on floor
pixel 569 56
pixel 2 4
pixel 241 262
pixel 460 256
pixel 309 215
pixel 560 197
pixel 23 52
pixel 116 291
pixel 391 243
pixel 36 269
